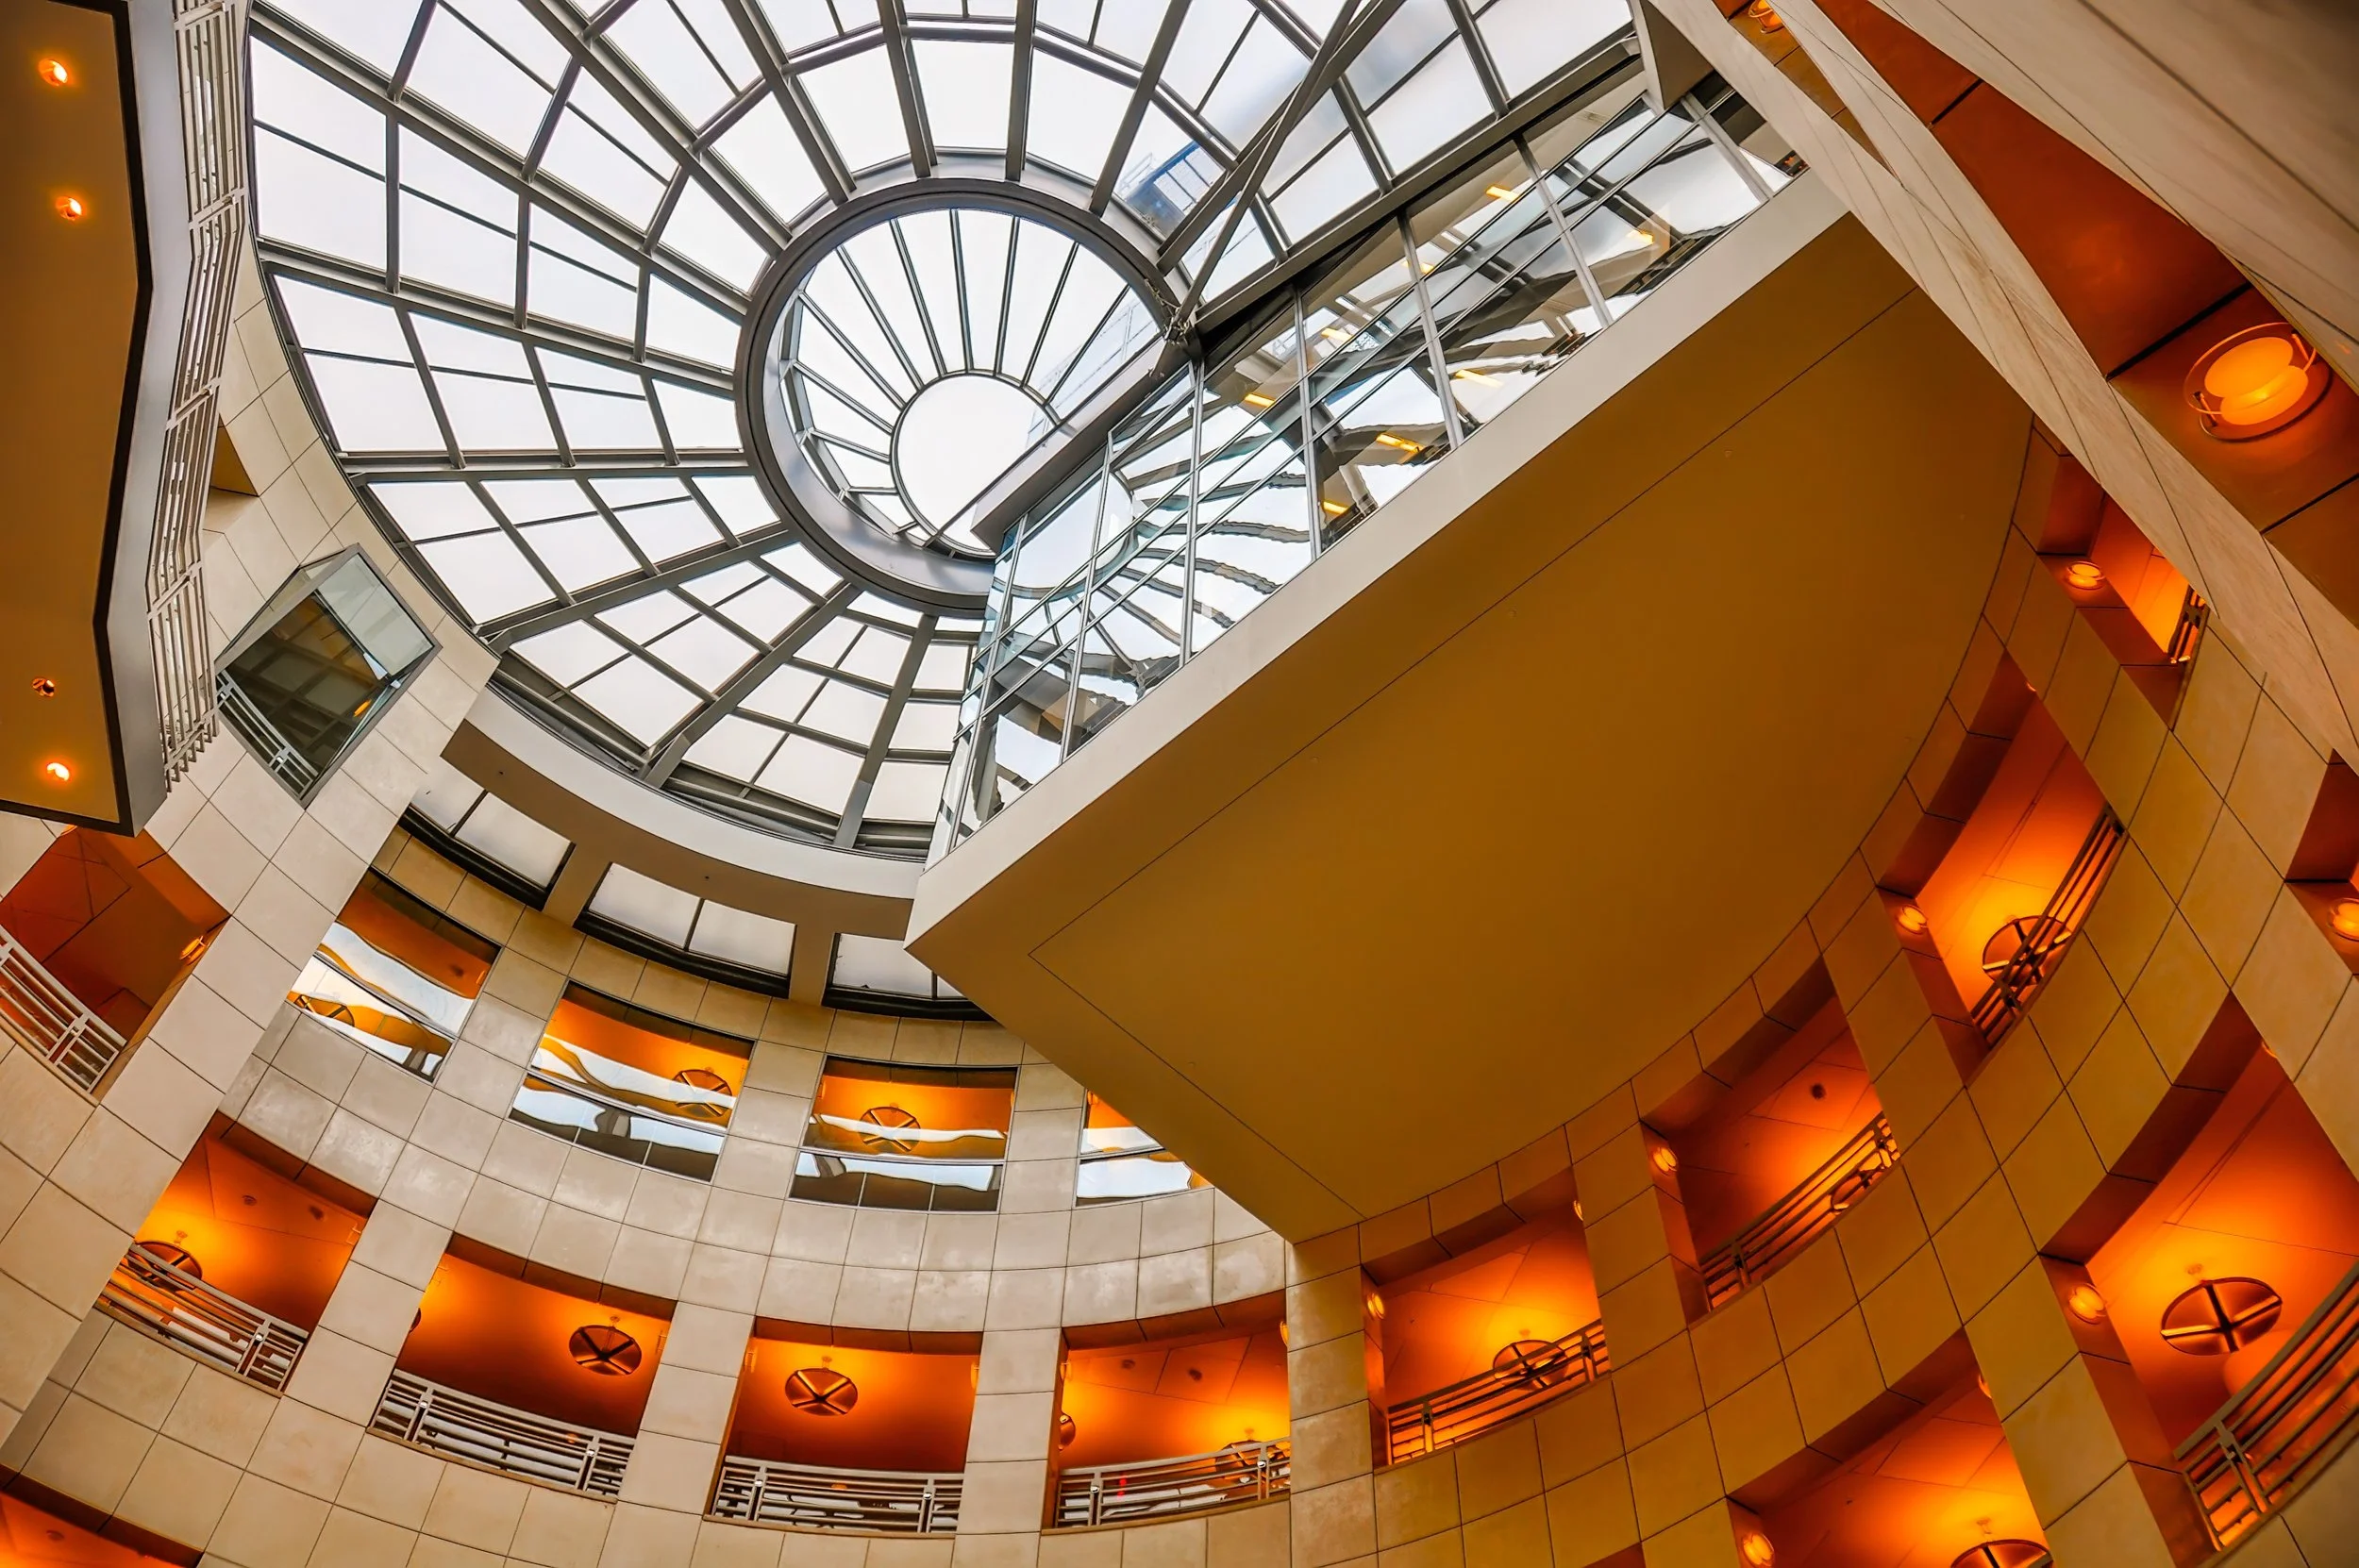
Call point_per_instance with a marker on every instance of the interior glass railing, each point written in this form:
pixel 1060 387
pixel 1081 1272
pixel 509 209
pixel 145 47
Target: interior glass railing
pixel 1245 466
pixel 760 1491
pixel 46 1018
pixel 1521 1378
pixel 2035 944
pixel 1797 1219
pixel 481 1432
pixel 175 1306
pixel 2283 1428
pixel 1241 1473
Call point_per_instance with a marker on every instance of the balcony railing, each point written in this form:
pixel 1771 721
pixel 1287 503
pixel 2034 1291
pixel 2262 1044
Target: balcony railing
pixel 2187 631
pixel 2282 1428
pixel 2041 938
pixel 902 1502
pixel 210 1323
pixel 50 1020
pixel 461 1427
pixel 1526 1376
pixel 1756 1251
pixel 1241 1472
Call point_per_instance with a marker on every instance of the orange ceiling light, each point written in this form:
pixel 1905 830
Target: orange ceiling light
pixel 1911 920
pixel 1067 1430
pixel 1665 1160
pixel 44 687
pixel 2343 914
pixel 604 1349
pixel 2256 382
pixel 2084 574
pixel 2221 1316
pixel 1374 1305
pixel 174 1256
pixel 889 1119
pixel 1756 1549
pixel 821 1390
pixel 54 72
pixel 2001 1553
pixel 1763 15
pixel 2084 1302
pixel 72 209
pixel 59 771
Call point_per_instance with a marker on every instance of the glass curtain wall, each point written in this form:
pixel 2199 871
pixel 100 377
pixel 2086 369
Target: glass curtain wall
pixel 1246 465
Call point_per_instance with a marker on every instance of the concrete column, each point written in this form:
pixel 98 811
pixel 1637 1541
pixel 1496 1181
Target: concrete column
pixel 670 1475
pixel 1334 1386
pixel 1007 1447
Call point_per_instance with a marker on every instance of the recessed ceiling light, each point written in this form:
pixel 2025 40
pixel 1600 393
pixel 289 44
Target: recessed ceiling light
pixel 58 771
pixel 71 209
pixel 54 72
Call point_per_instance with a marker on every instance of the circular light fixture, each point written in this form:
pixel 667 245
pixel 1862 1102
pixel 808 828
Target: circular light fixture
pixel 2343 914
pixel 53 71
pixel 1375 1304
pixel 2031 939
pixel 59 771
pixel 1911 920
pixel 174 1256
pixel 712 1083
pixel 71 209
pixel 1067 1430
pixel 2084 1302
pixel 1764 16
pixel 2011 1553
pixel 2084 574
pixel 1664 1159
pixel 892 1119
pixel 44 687
pixel 2256 381
pixel 1756 1549
pixel 603 1348
pixel 2219 1316
pixel 1982 1383
pixel 1533 1364
pixel 195 947
pixel 821 1390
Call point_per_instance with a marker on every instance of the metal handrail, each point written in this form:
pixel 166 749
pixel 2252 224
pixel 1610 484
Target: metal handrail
pixel 1241 1472
pixel 272 749
pixel 2014 983
pixel 482 1432
pixel 2194 614
pixel 765 1492
pixel 50 1020
pixel 1472 1406
pixel 2280 1429
pixel 1789 1225
pixel 206 1321
pixel 212 135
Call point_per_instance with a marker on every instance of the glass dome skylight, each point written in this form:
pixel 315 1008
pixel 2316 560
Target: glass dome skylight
pixel 516 245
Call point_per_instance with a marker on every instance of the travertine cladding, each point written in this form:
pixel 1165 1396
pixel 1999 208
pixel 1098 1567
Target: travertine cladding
pixel 77 1174
pixel 1933 220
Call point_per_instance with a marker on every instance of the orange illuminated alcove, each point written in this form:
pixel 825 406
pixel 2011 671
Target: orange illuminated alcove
pixel 273 1242
pixel 1449 1320
pixel 504 1338
pixel 1175 1394
pixel 114 920
pixel 910 1412
pixel 41 1529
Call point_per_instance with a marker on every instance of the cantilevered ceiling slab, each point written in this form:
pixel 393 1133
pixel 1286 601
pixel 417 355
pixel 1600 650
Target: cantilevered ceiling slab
pixel 1514 786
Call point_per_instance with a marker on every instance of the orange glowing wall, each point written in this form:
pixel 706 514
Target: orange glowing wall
pixel 2259 1194
pixel 647 1049
pixel 979 1102
pixel 911 1413
pixel 2013 850
pixel 1938 1485
pixel 1167 1398
pixel 1447 1322
pixel 1775 1125
pixel 113 919
pixel 505 1339
pixel 265 1240
pixel 32 1537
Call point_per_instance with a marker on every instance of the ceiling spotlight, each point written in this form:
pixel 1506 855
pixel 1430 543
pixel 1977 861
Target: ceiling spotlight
pixel 59 771
pixel 1764 16
pixel 53 71
pixel 821 1390
pixel 44 687
pixel 2084 1302
pixel 1911 920
pixel 71 209
pixel 603 1348
pixel 1375 1304
pixel 2256 381
pixel 2220 1316
pixel 2084 574
pixel 1756 1550
pixel 2343 914
pixel 1665 1160
pixel 1067 1430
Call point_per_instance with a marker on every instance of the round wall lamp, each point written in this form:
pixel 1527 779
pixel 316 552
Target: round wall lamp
pixel 603 1348
pixel 58 772
pixel 1664 1159
pixel 1533 1364
pixel 2221 1315
pixel 174 1256
pixel 1756 1549
pixel 2001 1553
pixel 1375 1304
pixel 1911 920
pixel 2256 382
pixel 2343 914
pixel 72 209
pixel 2084 1302
pixel 52 73
pixel 2084 574
pixel 821 1390
pixel 888 1119
pixel 1067 1430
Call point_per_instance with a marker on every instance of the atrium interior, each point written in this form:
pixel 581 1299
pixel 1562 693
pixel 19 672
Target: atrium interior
pixel 1178 784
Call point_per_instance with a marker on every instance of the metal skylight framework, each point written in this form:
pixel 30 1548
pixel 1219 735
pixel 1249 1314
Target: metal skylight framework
pixel 515 243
